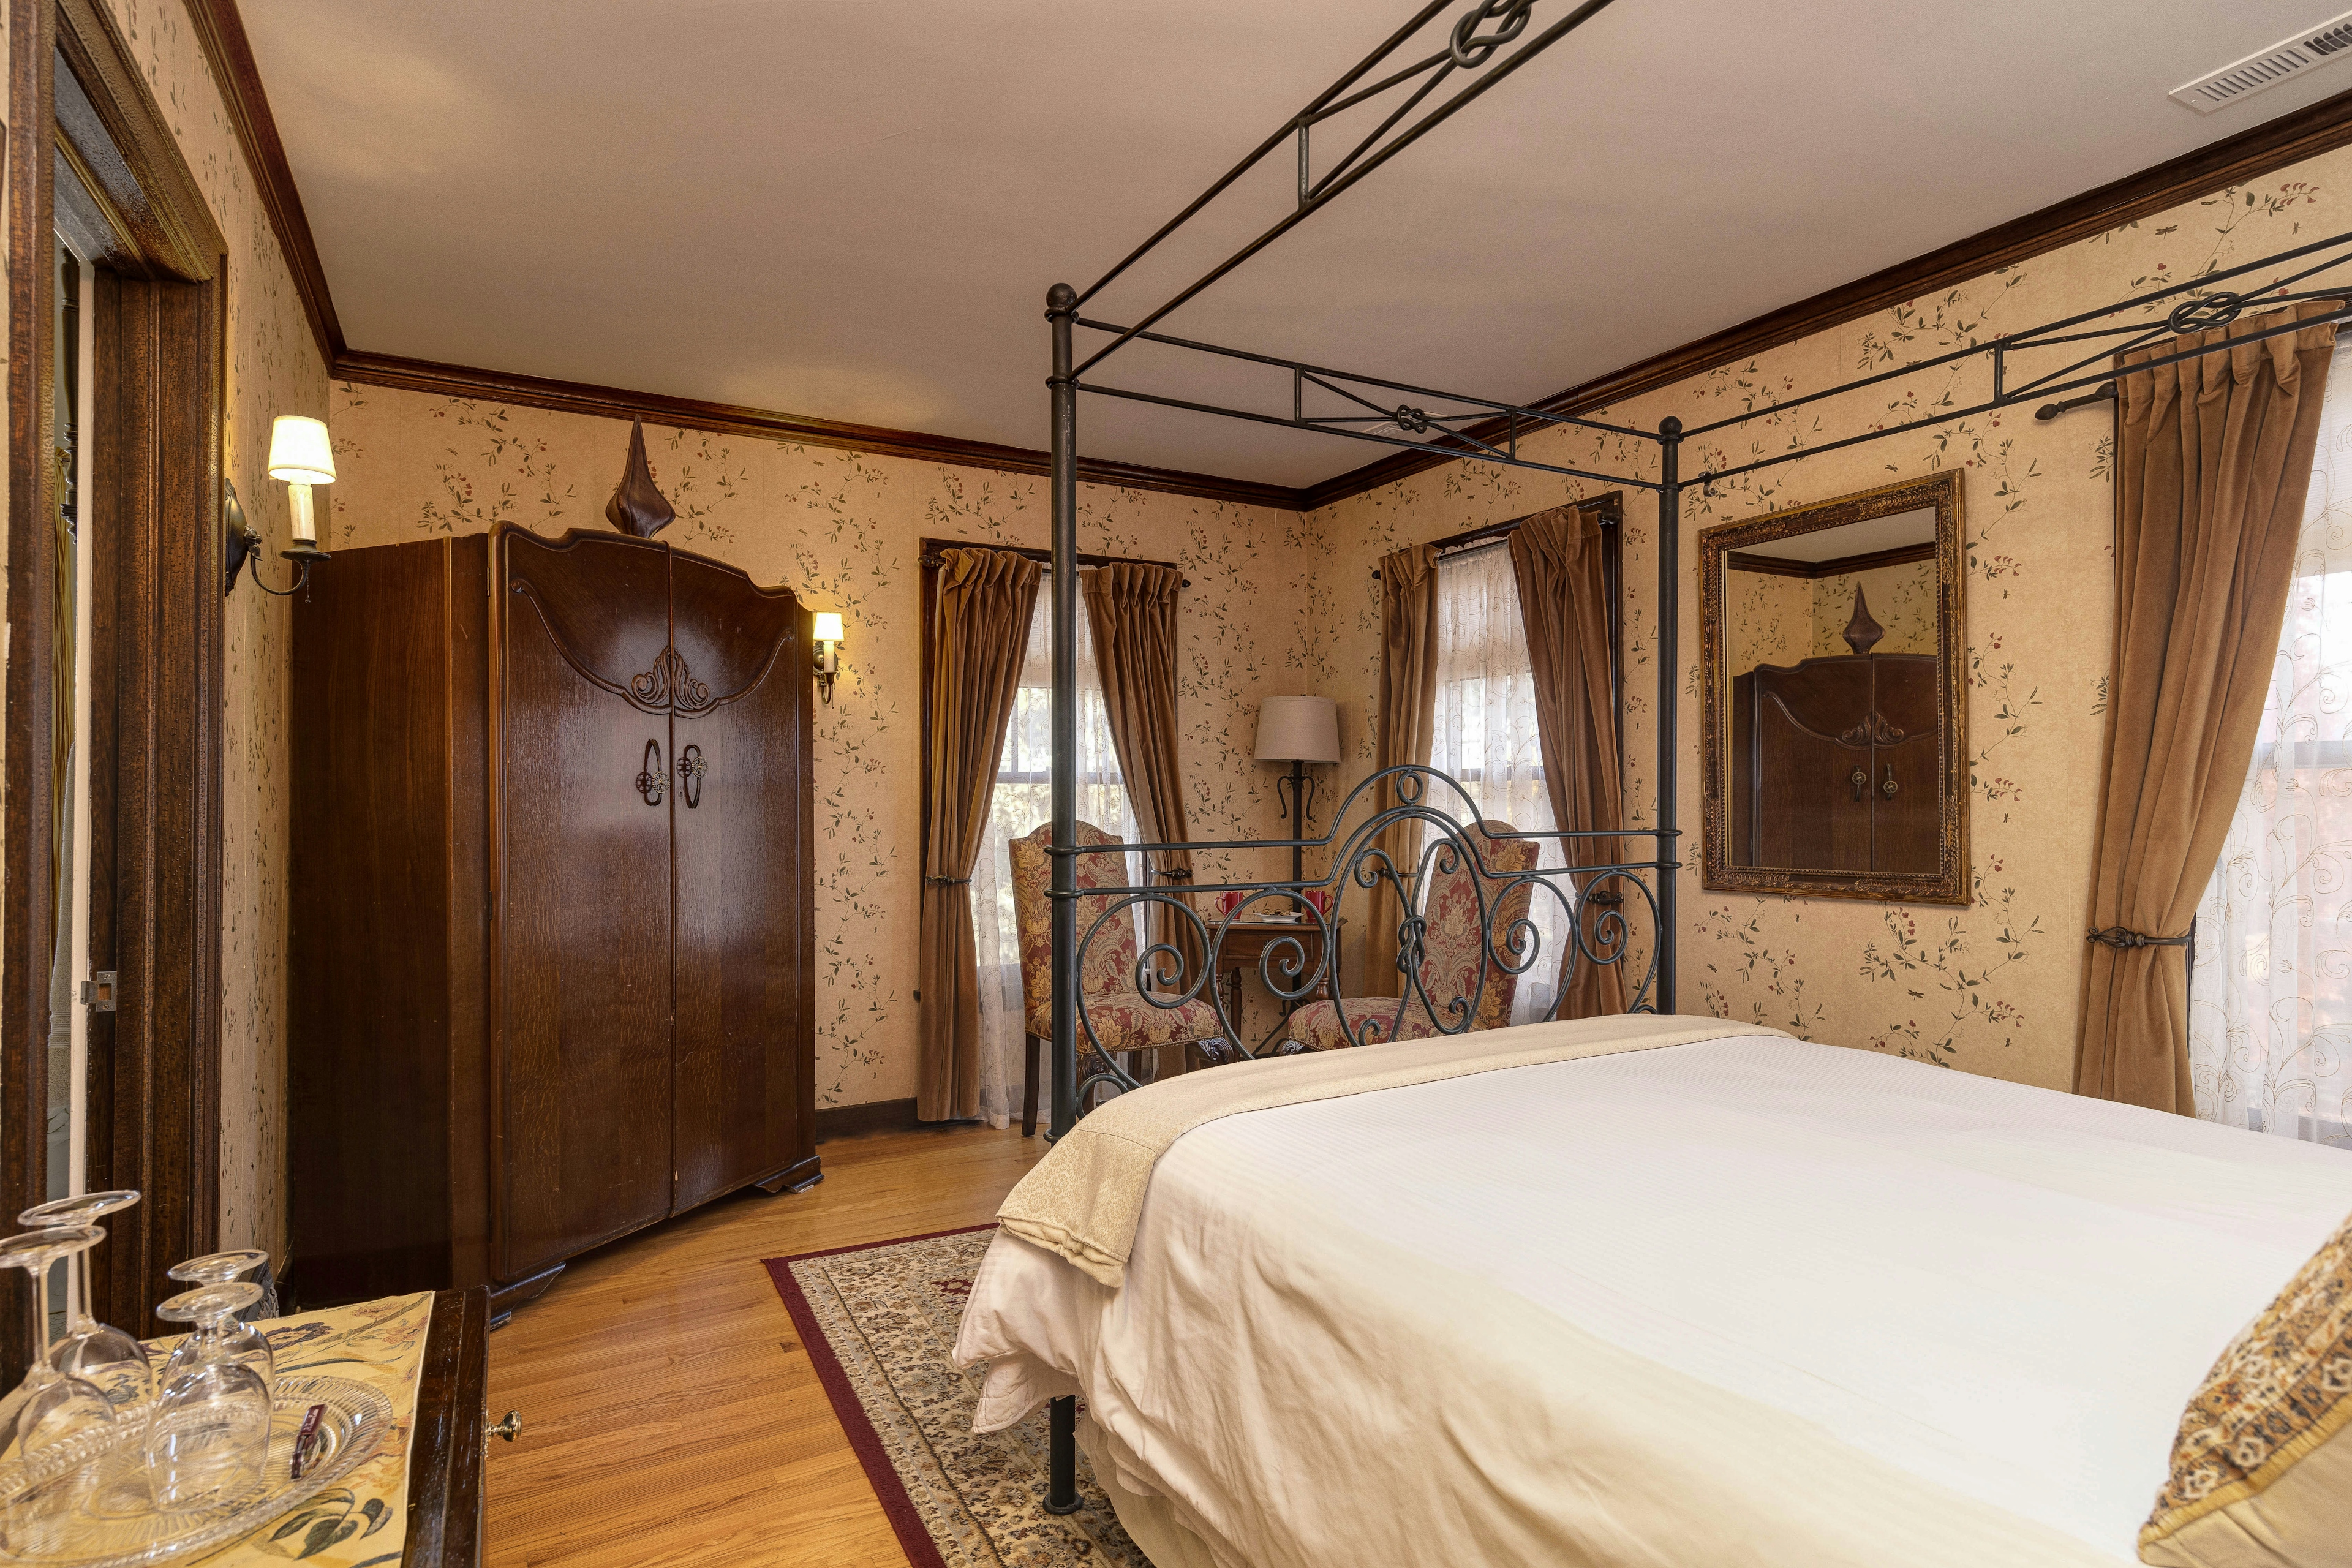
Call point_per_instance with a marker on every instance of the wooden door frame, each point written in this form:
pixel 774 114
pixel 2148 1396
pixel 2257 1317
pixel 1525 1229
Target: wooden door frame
pixel 90 152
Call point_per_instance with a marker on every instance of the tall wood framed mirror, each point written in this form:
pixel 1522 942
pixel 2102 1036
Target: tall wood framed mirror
pixel 1833 700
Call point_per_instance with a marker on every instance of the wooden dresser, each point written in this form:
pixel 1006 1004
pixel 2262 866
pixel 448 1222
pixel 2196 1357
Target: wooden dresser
pixel 550 951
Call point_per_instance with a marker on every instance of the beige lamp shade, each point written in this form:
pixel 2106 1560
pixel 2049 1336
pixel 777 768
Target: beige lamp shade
pixel 300 452
pixel 1297 730
pixel 828 625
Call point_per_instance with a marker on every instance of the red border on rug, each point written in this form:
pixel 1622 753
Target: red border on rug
pixel 914 1538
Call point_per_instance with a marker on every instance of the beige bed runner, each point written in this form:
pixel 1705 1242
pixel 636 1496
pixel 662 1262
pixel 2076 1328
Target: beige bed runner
pixel 1082 1199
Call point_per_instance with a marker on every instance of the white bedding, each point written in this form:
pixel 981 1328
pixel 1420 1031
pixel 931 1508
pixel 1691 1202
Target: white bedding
pixel 1752 1299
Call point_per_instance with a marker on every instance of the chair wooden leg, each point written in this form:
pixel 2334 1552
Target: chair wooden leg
pixel 1029 1090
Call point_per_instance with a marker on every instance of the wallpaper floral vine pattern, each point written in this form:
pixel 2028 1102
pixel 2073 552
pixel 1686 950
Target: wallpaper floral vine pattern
pixel 274 368
pixel 1283 602
pixel 1991 987
pixel 842 529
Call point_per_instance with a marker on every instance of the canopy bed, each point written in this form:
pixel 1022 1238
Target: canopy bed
pixel 1631 1289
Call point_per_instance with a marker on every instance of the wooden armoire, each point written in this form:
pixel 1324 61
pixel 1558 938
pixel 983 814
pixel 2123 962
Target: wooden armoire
pixel 550 937
pixel 1833 764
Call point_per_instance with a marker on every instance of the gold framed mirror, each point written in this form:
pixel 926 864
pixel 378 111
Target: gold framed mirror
pixel 1833 699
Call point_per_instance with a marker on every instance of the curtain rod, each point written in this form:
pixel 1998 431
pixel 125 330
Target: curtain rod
pixel 930 547
pixel 1611 507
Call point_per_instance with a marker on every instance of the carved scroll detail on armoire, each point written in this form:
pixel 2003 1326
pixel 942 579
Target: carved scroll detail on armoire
pixel 549 938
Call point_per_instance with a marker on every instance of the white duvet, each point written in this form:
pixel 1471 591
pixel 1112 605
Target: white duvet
pixel 1752 1300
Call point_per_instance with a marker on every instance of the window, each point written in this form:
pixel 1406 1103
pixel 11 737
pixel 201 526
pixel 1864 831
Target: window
pixel 1485 735
pixel 1021 802
pixel 2270 1018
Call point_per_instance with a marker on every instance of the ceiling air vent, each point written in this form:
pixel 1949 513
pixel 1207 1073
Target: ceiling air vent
pixel 2269 68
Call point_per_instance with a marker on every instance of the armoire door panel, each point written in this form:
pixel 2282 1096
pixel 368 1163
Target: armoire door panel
pixel 741 901
pixel 730 632
pixel 605 602
pixel 1904 817
pixel 1811 798
pixel 582 1008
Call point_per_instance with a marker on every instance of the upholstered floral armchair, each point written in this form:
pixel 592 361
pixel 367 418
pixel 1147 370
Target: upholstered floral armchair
pixel 1125 1020
pixel 1452 949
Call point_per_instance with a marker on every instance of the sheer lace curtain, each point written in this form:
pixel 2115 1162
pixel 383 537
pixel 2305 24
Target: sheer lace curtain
pixel 1023 803
pixel 2271 1002
pixel 1486 732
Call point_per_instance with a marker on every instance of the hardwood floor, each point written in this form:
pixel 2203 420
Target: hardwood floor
pixel 671 1415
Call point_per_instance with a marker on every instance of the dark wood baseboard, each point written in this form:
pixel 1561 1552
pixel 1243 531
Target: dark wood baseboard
pixel 856 1120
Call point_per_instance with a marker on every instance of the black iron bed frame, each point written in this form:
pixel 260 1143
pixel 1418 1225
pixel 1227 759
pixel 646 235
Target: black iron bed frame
pixel 2073 355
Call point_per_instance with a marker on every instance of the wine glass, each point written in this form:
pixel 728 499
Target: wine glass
pixel 98 1353
pixel 238 1340
pixel 210 1431
pixel 49 1405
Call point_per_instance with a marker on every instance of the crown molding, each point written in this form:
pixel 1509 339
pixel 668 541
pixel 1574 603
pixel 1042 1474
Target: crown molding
pixel 2322 127
pixel 2305 133
pixel 733 419
pixel 221 30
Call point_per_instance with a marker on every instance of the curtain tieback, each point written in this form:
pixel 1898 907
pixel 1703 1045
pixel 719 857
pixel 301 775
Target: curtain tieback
pixel 2119 938
pixel 947 882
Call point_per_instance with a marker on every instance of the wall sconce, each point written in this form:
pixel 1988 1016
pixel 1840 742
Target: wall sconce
pixel 828 650
pixel 301 455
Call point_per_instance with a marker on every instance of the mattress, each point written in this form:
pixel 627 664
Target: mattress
pixel 1748 1300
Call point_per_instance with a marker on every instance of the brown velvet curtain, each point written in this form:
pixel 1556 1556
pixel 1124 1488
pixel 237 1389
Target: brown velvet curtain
pixel 1407 717
pixel 1564 601
pixel 1131 612
pixel 979 635
pixel 2213 459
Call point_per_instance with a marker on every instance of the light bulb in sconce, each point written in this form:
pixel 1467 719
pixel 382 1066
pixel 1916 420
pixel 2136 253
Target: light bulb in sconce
pixel 826 635
pixel 302 454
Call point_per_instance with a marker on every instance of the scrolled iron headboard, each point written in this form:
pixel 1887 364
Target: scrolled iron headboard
pixel 1364 844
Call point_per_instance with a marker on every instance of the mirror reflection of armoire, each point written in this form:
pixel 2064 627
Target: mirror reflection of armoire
pixel 551 959
pixel 1833 759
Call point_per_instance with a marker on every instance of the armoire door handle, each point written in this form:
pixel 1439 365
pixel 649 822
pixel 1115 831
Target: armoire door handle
pixel 650 780
pixel 1889 787
pixel 1860 779
pixel 690 769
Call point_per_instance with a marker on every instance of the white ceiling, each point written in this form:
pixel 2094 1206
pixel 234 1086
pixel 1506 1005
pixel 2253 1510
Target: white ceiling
pixel 1867 537
pixel 851 208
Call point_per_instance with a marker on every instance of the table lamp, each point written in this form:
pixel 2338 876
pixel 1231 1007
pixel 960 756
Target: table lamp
pixel 1297 730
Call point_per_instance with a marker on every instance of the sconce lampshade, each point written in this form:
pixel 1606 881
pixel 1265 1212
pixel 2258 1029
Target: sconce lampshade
pixel 300 452
pixel 1297 730
pixel 828 626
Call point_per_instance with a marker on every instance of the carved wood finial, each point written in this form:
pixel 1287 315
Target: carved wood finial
pixel 1862 633
pixel 637 507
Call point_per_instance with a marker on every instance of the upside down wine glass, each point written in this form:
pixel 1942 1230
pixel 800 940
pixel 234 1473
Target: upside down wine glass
pixel 237 1339
pixel 49 1405
pixel 210 1431
pixel 98 1353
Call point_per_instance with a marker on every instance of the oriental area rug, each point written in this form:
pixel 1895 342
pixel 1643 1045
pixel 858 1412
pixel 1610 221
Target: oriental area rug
pixel 880 1324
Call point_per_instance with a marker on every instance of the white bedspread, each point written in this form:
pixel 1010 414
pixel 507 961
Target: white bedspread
pixel 1752 1301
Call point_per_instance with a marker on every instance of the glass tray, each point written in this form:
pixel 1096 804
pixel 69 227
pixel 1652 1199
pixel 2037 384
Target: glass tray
pixel 113 1526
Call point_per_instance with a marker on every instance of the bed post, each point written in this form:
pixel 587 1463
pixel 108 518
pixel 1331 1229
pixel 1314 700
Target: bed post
pixel 1670 550
pixel 1061 309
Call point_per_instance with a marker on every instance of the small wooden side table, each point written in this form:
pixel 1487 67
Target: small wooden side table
pixel 1244 946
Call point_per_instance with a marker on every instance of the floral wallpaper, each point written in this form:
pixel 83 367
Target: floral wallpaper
pixel 841 528
pixel 1767 619
pixel 1902 599
pixel 1991 987
pixel 274 367
pixel 1280 603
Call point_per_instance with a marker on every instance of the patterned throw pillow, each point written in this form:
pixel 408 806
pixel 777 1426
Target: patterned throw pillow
pixel 2261 1471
